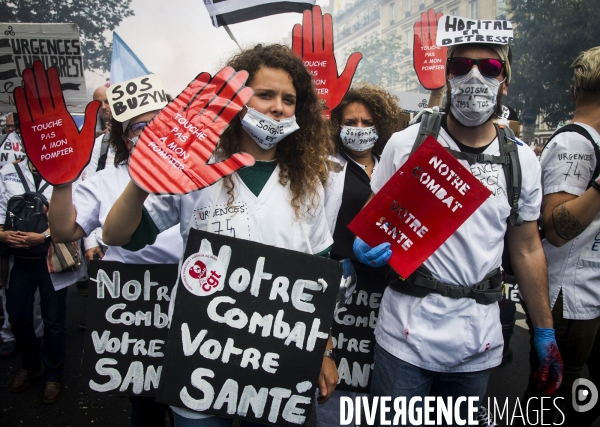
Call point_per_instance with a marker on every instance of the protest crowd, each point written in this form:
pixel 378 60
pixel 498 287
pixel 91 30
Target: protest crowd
pixel 257 154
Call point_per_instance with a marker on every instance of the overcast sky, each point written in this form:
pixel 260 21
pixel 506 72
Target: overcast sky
pixel 176 39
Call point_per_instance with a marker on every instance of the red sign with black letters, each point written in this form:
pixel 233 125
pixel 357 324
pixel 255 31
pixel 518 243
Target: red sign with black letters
pixel 420 206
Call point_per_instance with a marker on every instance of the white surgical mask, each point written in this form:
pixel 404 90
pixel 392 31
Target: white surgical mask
pixel 473 98
pixel 133 142
pixel 358 139
pixel 265 131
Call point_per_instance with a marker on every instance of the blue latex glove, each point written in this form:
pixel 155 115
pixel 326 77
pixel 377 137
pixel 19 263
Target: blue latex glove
pixel 374 257
pixel 550 373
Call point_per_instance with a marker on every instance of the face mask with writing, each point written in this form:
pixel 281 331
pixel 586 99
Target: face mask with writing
pixel 358 139
pixel 265 131
pixel 473 98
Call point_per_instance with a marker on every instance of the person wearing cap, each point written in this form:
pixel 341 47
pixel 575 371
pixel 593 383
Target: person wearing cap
pixel 571 221
pixel 437 344
pixel 83 210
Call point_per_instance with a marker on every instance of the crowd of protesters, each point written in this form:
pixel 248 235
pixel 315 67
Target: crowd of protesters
pixel 439 331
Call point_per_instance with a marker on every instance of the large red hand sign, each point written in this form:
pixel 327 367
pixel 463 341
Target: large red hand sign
pixel 172 154
pixel 313 42
pixel 429 59
pixel 55 146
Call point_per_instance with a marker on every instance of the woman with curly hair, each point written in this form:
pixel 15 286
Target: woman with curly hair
pixel 360 126
pixel 278 201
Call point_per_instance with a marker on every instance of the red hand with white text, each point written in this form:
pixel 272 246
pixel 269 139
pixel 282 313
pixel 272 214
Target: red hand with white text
pixel 429 59
pixel 172 154
pixel 55 146
pixel 313 42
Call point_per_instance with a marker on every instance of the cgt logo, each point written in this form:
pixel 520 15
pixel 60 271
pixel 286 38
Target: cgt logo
pixel 584 395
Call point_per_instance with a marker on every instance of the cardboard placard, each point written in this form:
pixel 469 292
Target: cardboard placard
pixel 420 206
pixel 353 333
pixel 429 58
pixel 249 330
pixel 56 45
pixel 173 152
pixel 313 42
pixel 458 30
pixel 127 327
pixel 137 96
pixel 55 145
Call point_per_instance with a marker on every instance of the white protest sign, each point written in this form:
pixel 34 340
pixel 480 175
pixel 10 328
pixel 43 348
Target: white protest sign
pixel 137 96
pixel 457 30
pixel 56 45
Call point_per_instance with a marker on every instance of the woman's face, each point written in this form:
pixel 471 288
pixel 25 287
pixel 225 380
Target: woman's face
pixel 136 126
pixel 274 93
pixel 357 115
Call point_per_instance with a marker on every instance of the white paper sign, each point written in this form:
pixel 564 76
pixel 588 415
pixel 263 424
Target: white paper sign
pixel 137 96
pixel 457 30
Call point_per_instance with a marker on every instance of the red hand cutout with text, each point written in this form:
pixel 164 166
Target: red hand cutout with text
pixel 313 42
pixel 55 146
pixel 429 59
pixel 172 153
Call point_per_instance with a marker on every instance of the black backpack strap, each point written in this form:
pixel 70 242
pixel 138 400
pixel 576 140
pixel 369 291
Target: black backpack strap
pixel 43 187
pixel 583 132
pixel 512 171
pixel 430 125
pixel 479 158
pixel 22 178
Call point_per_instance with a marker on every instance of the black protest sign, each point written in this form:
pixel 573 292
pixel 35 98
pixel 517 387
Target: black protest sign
pixel 249 330
pixel 353 332
pixel 56 45
pixel 127 327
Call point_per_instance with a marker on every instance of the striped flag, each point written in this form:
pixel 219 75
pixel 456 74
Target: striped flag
pixel 124 64
pixel 226 12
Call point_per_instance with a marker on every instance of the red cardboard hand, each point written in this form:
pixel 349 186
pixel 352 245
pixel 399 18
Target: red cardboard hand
pixel 429 59
pixel 173 151
pixel 313 42
pixel 55 146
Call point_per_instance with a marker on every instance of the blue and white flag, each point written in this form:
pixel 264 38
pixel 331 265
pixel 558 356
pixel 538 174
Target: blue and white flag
pixel 226 12
pixel 124 64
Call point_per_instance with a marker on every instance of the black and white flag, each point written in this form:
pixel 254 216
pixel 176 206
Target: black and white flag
pixel 226 12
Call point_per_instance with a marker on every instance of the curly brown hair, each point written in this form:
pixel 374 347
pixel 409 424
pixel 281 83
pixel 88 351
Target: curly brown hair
pixel 301 156
pixel 382 105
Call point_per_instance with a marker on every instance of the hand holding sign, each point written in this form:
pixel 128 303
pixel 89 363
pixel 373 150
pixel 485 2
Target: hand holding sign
pixel 174 149
pixel 313 42
pixel 55 146
pixel 429 59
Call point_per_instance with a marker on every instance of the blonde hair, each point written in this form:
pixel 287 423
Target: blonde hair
pixel 587 70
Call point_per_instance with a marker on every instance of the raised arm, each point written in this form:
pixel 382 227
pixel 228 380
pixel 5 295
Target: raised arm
pixel 565 216
pixel 125 216
pixel 62 214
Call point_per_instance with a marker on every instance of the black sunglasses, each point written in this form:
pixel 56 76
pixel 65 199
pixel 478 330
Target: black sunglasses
pixel 137 128
pixel 488 67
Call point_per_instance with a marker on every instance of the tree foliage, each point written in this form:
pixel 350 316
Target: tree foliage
pixel 549 34
pixel 93 17
pixel 381 61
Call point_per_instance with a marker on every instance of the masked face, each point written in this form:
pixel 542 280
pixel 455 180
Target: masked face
pixel 265 131
pixel 357 138
pixel 473 98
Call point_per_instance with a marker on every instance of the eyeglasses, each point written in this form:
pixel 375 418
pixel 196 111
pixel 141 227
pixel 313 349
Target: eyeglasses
pixel 137 128
pixel 488 67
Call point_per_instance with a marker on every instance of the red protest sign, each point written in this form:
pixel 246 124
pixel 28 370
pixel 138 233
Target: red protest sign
pixel 313 42
pixel 420 206
pixel 429 59
pixel 57 149
pixel 172 154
